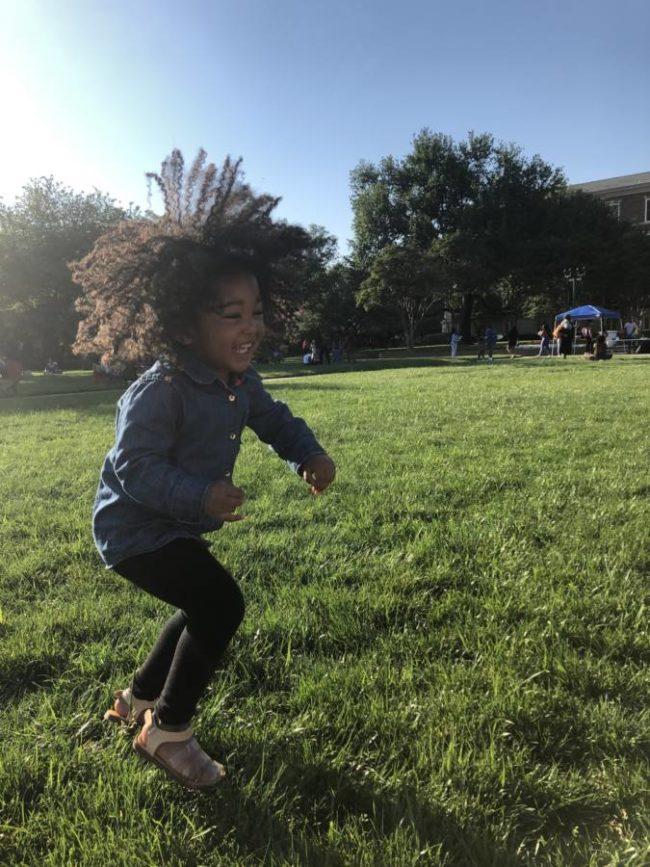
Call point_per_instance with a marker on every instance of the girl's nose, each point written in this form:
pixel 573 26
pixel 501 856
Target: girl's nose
pixel 251 327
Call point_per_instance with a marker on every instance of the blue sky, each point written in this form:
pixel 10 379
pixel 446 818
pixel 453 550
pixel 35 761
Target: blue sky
pixel 96 93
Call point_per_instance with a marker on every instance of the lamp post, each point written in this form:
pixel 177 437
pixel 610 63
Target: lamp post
pixel 573 276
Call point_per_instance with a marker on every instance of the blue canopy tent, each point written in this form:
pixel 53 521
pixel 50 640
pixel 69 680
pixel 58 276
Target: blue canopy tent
pixel 592 311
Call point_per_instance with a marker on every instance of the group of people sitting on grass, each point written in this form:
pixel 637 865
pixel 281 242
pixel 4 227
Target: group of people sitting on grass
pixel 320 352
pixel 52 368
pixel 600 350
pixel 105 372
pixel 11 372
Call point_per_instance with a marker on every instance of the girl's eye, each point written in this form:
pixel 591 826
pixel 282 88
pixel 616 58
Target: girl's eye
pixel 259 314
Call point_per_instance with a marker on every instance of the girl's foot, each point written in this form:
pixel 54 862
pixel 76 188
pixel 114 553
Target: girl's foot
pixel 127 708
pixel 178 754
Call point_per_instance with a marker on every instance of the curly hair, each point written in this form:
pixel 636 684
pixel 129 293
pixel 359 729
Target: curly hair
pixel 146 281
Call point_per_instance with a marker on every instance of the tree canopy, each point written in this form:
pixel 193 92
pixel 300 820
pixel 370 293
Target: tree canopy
pixel 405 279
pixel 505 225
pixel 48 225
pixel 473 226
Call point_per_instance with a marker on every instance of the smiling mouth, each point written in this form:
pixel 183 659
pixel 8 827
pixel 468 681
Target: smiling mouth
pixel 243 348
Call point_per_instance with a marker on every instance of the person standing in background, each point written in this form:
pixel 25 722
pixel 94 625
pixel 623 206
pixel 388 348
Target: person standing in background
pixel 565 332
pixel 545 341
pixel 630 330
pixel 490 342
pixel 325 356
pixel 513 340
pixel 481 346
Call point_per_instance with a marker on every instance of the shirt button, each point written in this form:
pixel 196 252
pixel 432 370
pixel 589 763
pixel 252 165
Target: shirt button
pixel 233 436
pixel 232 398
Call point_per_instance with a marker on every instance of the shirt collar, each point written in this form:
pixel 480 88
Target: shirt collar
pixel 201 372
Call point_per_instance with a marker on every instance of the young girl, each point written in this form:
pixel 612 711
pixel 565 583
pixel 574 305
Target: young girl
pixel 168 478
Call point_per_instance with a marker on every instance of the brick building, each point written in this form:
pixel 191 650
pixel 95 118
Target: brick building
pixel 628 196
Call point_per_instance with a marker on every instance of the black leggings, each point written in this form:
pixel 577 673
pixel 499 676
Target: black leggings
pixel 188 649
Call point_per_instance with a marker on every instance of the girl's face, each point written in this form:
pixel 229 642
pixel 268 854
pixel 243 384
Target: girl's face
pixel 227 336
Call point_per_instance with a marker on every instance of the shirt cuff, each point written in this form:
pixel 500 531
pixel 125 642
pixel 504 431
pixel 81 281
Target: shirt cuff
pixel 190 497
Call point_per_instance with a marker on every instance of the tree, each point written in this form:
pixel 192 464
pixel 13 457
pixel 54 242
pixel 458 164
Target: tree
pixel 304 280
pixel 406 279
pixel 634 289
pixel 506 227
pixel 615 255
pixel 331 310
pixel 48 225
pixel 479 204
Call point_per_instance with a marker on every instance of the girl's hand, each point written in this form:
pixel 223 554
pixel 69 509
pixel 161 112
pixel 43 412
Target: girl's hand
pixel 319 471
pixel 222 500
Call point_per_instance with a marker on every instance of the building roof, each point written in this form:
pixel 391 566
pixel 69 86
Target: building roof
pixel 619 183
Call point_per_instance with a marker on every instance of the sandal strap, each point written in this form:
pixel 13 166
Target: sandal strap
pixel 157 736
pixel 135 706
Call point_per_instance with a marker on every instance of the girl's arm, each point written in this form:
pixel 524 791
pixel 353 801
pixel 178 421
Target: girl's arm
pixel 148 420
pixel 289 436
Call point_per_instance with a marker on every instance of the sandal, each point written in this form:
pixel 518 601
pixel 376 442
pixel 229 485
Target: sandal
pixel 178 754
pixel 127 708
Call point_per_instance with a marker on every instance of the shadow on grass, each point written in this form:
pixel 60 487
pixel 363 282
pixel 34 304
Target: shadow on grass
pixel 102 400
pixel 25 674
pixel 362 365
pixel 320 796
pixel 99 403
pixel 34 390
pixel 300 384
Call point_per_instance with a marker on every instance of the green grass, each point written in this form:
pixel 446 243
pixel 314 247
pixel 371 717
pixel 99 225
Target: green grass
pixel 82 381
pixel 443 659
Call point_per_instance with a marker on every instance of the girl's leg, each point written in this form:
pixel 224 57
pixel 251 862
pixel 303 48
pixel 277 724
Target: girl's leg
pixel 186 575
pixel 150 678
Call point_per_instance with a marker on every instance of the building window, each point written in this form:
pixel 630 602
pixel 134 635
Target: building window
pixel 647 210
pixel 615 206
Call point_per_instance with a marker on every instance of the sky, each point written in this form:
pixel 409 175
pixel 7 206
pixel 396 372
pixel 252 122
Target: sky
pixel 98 93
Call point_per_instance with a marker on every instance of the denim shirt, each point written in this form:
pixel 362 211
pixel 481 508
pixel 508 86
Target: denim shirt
pixel 178 430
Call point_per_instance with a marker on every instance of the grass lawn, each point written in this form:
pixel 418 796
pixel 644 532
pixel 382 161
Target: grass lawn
pixel 442 661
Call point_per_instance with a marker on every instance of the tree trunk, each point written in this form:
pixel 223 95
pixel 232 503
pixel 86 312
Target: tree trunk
pixel 407 329
pixel 466 316
pixel 411 340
